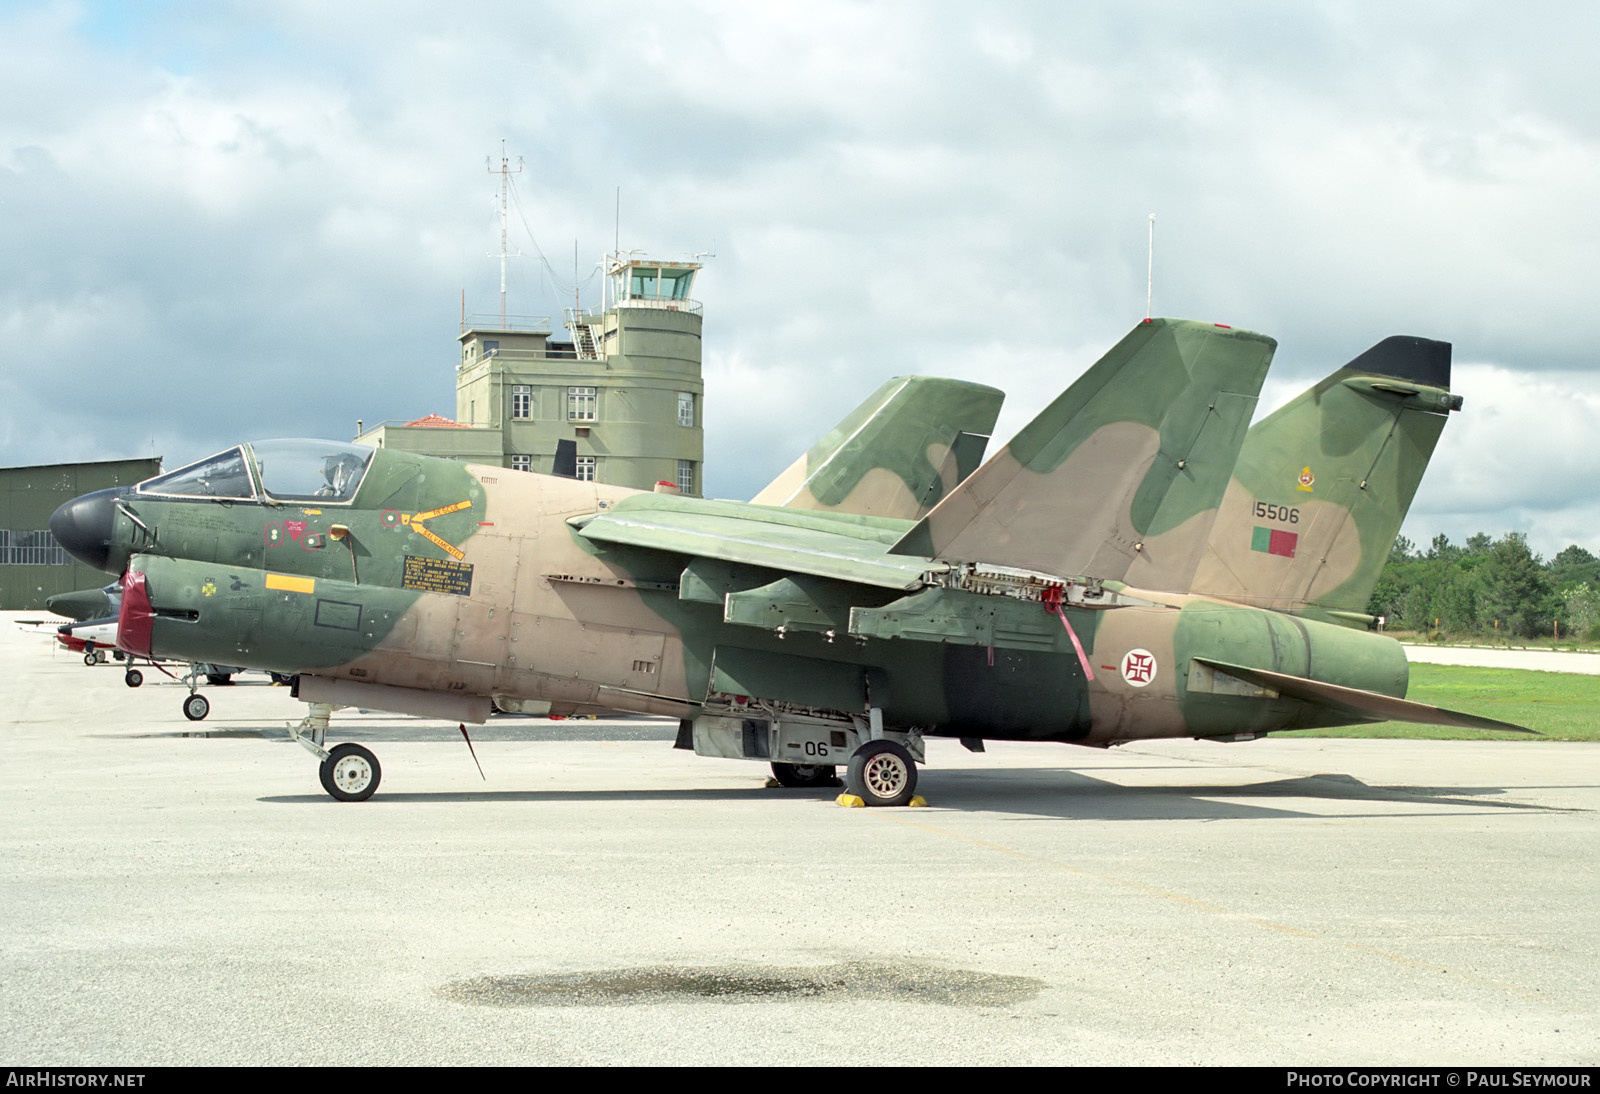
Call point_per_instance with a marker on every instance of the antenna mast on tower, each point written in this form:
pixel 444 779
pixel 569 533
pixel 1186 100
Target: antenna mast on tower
pixel 505 172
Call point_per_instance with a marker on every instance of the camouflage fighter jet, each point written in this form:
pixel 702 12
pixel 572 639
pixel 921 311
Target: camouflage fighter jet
pixel 1048 596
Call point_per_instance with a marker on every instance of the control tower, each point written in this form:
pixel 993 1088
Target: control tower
pixel 627 389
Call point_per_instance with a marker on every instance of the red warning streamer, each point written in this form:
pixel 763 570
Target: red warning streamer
pixel 1052 604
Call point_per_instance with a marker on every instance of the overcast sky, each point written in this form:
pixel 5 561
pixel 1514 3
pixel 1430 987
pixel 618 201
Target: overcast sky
pixel 222 221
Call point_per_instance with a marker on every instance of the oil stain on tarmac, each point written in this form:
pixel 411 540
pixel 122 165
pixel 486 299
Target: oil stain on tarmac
pixel 901 982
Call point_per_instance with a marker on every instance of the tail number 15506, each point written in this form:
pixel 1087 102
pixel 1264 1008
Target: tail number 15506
pixel 1285 513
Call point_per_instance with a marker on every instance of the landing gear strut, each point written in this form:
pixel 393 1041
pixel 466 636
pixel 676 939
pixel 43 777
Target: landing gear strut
pixel 349 772
pixel 196 706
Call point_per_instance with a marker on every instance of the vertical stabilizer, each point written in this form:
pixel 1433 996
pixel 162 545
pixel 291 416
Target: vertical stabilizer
pixel 1121 476
pixel 897 454
pixel 1323 484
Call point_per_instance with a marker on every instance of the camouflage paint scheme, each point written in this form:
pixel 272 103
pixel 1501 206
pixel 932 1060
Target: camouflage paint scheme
pixel 448 580
pixel 1344 459
pixel 1155 424
pixel 897 454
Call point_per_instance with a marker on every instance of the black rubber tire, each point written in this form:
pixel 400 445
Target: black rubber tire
pixel 88 656
pixel 882 773
pixel 196 707
pixel 133 678
pixel 805 776
pixel 350 773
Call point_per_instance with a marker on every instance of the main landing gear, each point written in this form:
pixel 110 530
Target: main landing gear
pixel 882 772
pixel 349 772
pixel 882 765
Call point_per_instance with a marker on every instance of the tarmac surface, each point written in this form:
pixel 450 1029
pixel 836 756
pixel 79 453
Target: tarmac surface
pixel 184 893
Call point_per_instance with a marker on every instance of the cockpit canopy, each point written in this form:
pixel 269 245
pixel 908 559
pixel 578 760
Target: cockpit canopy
pixel 294 470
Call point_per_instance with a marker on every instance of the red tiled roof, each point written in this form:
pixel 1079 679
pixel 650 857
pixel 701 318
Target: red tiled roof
pixel 436 421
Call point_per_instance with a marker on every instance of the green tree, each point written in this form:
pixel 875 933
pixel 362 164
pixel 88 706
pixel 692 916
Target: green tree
pixel 1442 549
pixel 1574 565
pixel 1516 590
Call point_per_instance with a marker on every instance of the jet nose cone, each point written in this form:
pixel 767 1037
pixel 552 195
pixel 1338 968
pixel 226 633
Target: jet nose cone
pixel 83 527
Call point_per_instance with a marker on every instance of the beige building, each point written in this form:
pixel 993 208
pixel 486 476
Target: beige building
pixel 627 390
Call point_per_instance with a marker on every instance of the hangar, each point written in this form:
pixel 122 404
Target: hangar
pixel 32 565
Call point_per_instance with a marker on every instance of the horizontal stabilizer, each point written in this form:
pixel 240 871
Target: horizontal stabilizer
pixel 897 454
pixel 1359 705
pixel 1120 477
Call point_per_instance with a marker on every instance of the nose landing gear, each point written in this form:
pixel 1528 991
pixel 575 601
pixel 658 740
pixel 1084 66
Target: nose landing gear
pixel 349 772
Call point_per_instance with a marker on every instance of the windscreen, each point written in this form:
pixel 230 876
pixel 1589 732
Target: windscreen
pixel 307 470
pixel 224 475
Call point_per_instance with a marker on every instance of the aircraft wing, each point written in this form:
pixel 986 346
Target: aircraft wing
pixel 837 546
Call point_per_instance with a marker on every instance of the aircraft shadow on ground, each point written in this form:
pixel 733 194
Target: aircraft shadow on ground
pixel 1066 794
pixel 1059 794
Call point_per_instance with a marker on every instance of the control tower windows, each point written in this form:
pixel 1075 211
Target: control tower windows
pixel 582 404
pixel 659 283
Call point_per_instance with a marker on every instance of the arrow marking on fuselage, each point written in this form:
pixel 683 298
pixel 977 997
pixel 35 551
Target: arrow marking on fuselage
pixel 416 526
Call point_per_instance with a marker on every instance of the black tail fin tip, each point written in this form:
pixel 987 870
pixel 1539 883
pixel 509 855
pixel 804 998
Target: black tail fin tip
pixel 1406 357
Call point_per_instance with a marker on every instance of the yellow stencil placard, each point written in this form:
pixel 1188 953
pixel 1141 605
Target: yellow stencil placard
pixel 415 523
pixel 291 584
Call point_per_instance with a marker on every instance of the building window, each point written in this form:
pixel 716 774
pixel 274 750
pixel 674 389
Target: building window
pixel 19 548
pixel 686 476
pixel 521 400
pixel 582 404
pixel 686 408
pixel 586 468
pixel 491 347
pixel 522 463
